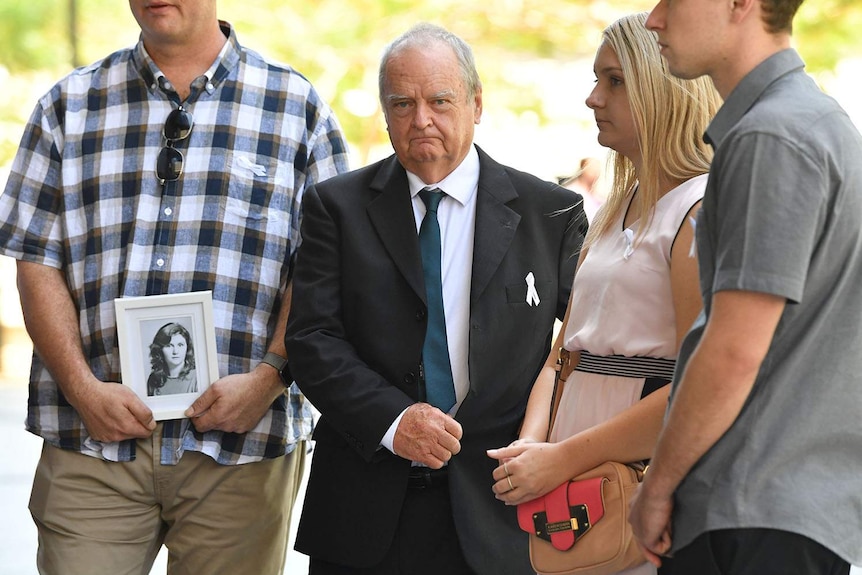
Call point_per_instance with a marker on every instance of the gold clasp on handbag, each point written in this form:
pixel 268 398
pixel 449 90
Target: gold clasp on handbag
pixel 560 526
pixel 579 522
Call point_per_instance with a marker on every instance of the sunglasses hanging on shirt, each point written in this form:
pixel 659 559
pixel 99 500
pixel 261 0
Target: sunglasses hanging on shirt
pixel 169 164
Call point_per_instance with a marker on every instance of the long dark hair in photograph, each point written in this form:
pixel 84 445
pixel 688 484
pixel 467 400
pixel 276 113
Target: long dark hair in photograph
pixel 160 370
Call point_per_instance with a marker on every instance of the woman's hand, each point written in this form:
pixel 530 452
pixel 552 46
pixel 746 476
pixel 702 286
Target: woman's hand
pixel 523 441
pixel 527 470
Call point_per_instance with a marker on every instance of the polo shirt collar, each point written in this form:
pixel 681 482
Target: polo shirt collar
pixel 748 91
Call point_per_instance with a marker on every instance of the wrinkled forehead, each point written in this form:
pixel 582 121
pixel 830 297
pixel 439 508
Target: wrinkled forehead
pixel 429 53
pixel 425 71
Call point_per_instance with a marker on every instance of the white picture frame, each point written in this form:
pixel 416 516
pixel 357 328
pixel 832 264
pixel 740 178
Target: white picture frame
pixel 140 320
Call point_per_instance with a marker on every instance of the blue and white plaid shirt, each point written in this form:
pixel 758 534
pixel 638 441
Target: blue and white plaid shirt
pixel 83 197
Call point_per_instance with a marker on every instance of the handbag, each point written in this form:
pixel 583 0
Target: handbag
pixel 582 527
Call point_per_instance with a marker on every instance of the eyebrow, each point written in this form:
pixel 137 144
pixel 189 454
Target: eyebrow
pixel 442 94
pixel 608 69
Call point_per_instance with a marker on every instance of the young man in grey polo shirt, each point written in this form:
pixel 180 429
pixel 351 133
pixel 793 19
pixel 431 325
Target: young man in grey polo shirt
pixel 758 468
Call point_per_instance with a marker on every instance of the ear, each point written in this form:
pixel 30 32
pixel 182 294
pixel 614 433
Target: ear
pixel 740 10
pixel 477 103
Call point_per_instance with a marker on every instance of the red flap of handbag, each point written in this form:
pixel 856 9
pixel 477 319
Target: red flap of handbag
pixel 565 514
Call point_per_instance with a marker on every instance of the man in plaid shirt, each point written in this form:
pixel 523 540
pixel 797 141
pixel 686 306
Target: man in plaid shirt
pixel 174 166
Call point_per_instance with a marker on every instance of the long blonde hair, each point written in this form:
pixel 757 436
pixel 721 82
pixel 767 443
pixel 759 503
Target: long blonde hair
pixel 670 117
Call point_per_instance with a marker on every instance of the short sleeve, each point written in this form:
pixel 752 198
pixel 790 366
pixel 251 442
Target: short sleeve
pixel 30 227
pixel 770 211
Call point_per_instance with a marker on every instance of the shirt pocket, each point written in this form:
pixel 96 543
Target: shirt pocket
pixel 257 222
pixel 259 197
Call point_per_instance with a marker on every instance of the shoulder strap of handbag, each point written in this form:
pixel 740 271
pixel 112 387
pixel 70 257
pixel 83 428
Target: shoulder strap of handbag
pixel 564 357
pixel 558 390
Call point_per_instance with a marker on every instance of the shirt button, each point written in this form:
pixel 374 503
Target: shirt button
pixel 160 262
pixel 210 87
pixel 168 211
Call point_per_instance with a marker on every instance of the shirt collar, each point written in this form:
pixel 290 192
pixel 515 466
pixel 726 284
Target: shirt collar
pixel 209 81
pixel 461 184
pixel 749 90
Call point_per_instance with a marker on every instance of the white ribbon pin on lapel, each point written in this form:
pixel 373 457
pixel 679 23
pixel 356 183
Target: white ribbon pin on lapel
pixel 532 294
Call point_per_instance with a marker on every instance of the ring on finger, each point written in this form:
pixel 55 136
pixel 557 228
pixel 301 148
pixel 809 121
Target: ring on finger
pixel 506 468
pixel 509 479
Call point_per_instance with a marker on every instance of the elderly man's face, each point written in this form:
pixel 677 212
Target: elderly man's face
pixel 428 113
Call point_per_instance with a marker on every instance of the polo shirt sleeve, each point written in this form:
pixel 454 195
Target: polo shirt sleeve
pixel 771 206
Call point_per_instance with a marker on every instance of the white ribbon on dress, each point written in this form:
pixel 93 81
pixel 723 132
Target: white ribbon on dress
pixel 630 248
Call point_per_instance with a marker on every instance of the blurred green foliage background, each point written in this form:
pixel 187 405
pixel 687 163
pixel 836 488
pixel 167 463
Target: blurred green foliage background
pixel 336 44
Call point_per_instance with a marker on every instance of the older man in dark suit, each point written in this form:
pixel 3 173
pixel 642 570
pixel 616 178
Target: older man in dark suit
pixel 425 294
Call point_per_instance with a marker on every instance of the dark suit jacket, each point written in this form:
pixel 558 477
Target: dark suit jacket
pixel 354 341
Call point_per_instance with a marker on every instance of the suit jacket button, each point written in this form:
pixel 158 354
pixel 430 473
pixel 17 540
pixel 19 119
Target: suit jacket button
pixel 420 315
pixel 410 378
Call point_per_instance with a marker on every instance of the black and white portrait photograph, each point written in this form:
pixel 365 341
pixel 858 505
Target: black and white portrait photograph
pixel 167 349
pixel 172 358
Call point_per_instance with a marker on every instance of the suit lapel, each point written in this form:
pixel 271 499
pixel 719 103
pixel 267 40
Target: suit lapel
pixel 495 223
pixel 391 214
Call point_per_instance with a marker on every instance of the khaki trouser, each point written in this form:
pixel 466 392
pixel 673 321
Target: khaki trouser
pixel 96 517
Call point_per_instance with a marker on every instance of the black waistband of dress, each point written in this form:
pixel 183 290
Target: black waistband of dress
pixel 623 366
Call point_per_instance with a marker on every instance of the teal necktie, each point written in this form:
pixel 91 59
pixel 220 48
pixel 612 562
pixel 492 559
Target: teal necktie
pixel 439 386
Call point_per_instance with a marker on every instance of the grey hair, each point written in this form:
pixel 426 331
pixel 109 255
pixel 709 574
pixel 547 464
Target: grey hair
pixel 424 35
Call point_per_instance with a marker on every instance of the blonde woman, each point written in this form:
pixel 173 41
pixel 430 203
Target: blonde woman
pixel 636 291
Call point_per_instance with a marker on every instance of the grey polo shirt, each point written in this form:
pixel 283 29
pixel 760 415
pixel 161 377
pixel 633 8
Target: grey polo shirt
pixel 782 215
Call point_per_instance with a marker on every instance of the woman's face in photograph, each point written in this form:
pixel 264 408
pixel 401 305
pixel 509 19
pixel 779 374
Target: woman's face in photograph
pixel 175 351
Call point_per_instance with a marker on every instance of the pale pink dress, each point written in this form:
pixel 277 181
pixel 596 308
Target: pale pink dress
pixel 623 306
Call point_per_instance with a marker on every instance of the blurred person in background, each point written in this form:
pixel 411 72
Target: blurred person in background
pixel 584 182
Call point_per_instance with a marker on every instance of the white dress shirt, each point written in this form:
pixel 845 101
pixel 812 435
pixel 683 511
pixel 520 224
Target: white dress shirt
pixel 457 217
